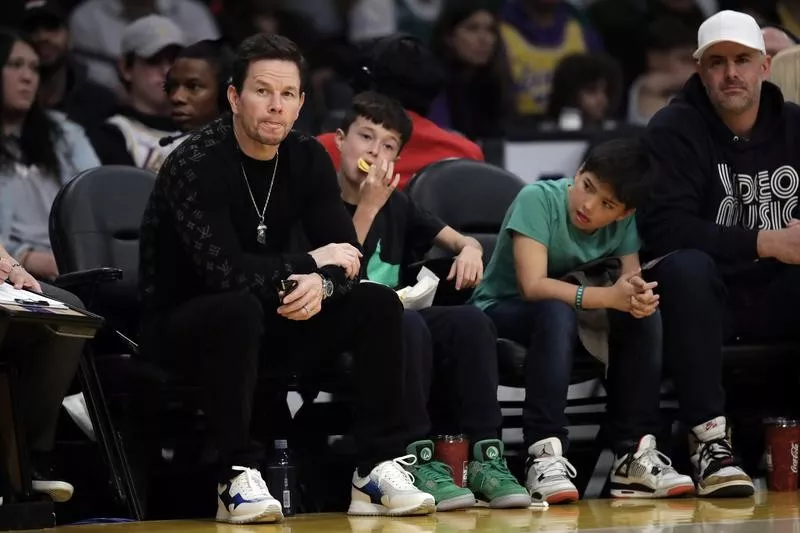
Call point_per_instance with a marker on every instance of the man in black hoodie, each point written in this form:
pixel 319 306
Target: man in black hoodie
pixel 724 209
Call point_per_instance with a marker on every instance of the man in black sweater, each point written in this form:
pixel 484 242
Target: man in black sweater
pixel 214 259
pixel 723 212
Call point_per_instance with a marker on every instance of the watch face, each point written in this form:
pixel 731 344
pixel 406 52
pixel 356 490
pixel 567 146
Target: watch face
pixel 327 288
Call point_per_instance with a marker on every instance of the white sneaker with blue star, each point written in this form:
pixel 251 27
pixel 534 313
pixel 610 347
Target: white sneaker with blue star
pixel 245 499
pixel 389 490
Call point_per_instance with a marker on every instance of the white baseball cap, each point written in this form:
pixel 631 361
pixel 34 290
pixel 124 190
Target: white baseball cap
pixel 732 27
pixel 148 35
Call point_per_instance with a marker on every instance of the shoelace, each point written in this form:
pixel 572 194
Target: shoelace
pixel 255 484
pixel 435 471
pixel 651 457
pixel 553 466
pixel 717 451
pixel 395 473
pixel 499 469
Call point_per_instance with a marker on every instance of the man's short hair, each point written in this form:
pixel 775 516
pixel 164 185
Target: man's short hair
pixel 266 46
pixel 382 110
pixel 217 54
pixel 402 67
pixel 624 165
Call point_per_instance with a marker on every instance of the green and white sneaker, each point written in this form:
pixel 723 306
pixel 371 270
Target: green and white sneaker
pixel 491 481
pixel 436 478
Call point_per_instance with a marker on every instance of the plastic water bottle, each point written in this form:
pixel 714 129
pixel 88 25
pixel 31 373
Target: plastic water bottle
pixel 282 478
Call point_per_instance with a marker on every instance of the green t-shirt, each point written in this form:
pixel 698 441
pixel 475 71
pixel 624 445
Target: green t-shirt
pixel 540 212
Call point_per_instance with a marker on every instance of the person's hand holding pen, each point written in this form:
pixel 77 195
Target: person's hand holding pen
pixel 12 271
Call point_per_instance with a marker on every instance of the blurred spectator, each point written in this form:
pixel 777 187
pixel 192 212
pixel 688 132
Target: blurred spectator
pixel 588 83
pixel 40 151
pixel 97 26
pixel 370 19
pixel 64 84
pixel 785 73
pixel 537 35
pixel 197 84
pixel 418 17
pixel 326 15
pixel 132 136
pixel 623 25
pixel 668 51
pixel 476 101
pixel 243 18
pixel 777 39
pixel 405 69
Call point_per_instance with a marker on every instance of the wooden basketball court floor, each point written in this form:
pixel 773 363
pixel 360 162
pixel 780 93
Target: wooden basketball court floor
pixel 766 513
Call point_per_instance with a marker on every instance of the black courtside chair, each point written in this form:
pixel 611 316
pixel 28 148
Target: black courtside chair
pixel 94 232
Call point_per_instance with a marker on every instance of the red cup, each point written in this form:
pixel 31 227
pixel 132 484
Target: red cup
pixel 783 452
pixel 453 450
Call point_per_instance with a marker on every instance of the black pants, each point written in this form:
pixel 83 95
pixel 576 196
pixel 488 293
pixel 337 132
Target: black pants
pixel 701 310
pixel 457 350
pixel 224 339
pixel 549 328
pixel 47 364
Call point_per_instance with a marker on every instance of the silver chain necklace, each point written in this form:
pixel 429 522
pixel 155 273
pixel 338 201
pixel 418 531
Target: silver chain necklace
pixel 261 229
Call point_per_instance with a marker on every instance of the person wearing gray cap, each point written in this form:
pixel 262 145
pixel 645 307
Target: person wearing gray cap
pixel 722 218
pixel 132 136
pixel 96 27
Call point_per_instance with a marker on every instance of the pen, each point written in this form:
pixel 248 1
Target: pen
pixel 43 303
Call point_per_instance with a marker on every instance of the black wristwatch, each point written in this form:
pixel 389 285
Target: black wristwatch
pixel 327 287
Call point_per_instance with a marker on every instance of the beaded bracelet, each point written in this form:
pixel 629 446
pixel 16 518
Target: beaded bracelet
pixel 579 297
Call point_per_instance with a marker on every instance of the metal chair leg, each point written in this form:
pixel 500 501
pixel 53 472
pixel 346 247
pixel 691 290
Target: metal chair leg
pixel 108 438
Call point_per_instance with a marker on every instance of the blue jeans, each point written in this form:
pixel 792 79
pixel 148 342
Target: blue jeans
pixel 703 307
pixel 549 329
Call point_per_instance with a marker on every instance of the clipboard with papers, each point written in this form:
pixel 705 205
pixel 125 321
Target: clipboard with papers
pixel 22 305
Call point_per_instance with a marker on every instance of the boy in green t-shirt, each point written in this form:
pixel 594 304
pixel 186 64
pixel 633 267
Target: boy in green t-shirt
pixel 551 229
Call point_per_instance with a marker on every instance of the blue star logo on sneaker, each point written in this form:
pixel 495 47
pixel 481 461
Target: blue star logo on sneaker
pixel 425 454
pixel 245 499
pixel 235 499
pixel 492 452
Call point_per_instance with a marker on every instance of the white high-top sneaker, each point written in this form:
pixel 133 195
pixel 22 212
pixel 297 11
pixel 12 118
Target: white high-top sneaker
pixel 644 472
pixel 245 499
pixel 549 473
pixel 389 490
pixel 716 469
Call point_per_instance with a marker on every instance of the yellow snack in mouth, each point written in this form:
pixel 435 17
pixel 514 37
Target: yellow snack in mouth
pixel 363 166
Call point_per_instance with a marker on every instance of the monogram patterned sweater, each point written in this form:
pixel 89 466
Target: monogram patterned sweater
pixel 199 231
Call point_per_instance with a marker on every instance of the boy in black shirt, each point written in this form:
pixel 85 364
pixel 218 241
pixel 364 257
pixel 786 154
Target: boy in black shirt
pixel 460 340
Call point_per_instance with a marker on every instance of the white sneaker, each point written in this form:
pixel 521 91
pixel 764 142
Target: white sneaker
pixel 717 471
pixel 549 473
pixel 389 491
pixel 245 499
pixel 59 491
pixel 645 472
